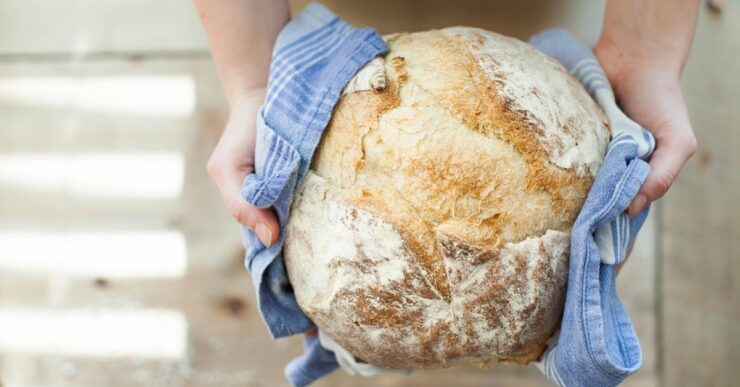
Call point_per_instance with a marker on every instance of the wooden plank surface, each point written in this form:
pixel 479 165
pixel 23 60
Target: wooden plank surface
pixel 80 28
pixel 700 219
pixel 697 227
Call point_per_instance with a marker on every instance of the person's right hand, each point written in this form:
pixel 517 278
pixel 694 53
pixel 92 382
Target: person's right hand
pixel 233 159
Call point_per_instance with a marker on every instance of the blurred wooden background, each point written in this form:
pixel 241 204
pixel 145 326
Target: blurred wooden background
pixel 108 111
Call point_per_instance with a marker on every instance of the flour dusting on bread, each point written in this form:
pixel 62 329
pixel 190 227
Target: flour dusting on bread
pixel 433 225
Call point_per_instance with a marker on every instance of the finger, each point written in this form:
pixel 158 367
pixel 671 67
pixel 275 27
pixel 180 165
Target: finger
pixel 668 159
pixel 261 221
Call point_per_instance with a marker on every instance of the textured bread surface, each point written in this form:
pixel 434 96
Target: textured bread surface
pixel 433 225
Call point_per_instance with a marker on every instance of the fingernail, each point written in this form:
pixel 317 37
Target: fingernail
pixel 264 234
pixel 638 203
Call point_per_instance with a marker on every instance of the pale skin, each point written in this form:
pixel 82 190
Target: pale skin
pixel 241 34
pixel 643 48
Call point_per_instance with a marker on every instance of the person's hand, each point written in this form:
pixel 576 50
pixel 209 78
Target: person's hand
pixel 233 159
pixel 652 97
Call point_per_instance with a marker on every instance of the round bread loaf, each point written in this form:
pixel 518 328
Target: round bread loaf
pixel 433 225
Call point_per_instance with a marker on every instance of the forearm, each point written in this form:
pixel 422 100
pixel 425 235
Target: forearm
pixel 655 33
pixel 643 48
pixel 242 34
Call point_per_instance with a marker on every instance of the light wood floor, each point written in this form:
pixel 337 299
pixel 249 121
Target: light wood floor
pixel 135 277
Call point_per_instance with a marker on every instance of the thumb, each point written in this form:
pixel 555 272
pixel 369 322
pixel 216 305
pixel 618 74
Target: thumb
pixel 261 221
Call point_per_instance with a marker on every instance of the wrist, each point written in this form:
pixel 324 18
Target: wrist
pixel 245 106
pixel 624 67
pixel 243 97
pixel 244 83
pixel 631 49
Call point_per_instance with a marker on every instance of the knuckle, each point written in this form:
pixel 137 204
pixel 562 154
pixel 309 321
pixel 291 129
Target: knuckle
pixel 686 142
pixel 239 212
pixel 215 168
pixel 691 144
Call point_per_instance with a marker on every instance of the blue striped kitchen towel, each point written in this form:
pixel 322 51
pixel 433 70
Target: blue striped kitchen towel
pixel 315 56
pixel 597 344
